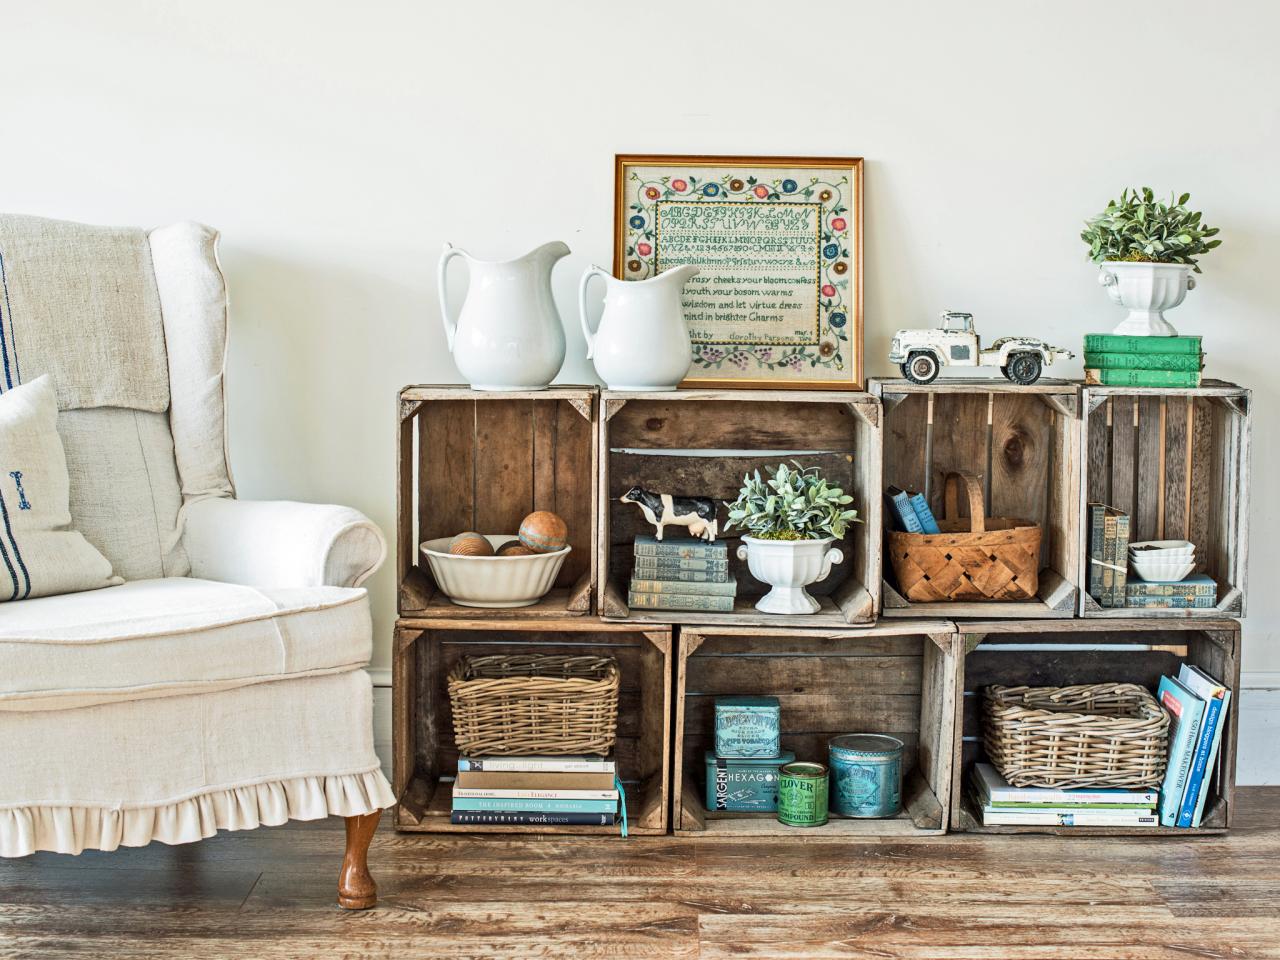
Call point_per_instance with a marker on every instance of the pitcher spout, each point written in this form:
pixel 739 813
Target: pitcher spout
pixel 681 273
pixel 549 253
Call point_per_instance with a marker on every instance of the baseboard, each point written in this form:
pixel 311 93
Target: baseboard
pixel 1259 763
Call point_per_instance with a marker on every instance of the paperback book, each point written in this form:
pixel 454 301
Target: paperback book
pixel 996 816
pixel 527 805
pixel 1186 711
pixel 557 764
pixel 531 818
pixel 1217 700
pixel 507 780
pixel 993 790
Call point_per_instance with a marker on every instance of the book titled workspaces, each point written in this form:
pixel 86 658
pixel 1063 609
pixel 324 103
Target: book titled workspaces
pixel 535 791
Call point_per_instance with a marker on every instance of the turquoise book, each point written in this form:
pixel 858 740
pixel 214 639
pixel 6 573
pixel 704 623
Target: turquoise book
pixel 680 548
pixel 928 522
pixel 710 603
pixel 1185 713
pixel 1218 698
pixel 1119 343
pixel 523 805
pixel 904 517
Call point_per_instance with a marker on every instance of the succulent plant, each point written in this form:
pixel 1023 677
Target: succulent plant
pixel 1137 227
pixel 793 504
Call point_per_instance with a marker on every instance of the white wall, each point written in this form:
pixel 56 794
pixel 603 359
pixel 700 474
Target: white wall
pixel 339 145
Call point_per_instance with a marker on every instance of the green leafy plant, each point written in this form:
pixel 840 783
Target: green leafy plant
pixel 1139 228
pixel 791 505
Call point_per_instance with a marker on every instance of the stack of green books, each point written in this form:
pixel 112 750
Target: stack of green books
pixel 681 574
pixel 1117 361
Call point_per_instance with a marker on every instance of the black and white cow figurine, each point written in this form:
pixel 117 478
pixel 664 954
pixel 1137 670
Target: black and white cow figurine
pixel 660 509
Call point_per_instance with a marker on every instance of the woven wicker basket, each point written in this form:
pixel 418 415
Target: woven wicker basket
pixel 1102 735
pixel 974 558
pixel 534 704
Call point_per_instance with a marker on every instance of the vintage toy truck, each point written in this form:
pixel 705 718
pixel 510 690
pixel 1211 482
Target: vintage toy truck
pixel 922 354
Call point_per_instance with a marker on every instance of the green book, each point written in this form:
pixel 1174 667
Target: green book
pixel 1144 361
pixel 1141 378
pixel 685 588
pixel 677 601
pixel 680 548
pixel 1097 516
pixel 661 566
pixel 1197 585
pixel 1107 593
pixel 682 576
pixel 1118 343
pixel 1120 560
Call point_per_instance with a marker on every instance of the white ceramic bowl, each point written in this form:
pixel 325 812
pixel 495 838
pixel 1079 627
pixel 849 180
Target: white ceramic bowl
pixel 1162 570
pixel 492 581
pixel 1163 549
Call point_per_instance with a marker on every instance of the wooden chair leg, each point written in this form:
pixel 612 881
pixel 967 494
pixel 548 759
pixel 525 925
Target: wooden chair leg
pixel 356 889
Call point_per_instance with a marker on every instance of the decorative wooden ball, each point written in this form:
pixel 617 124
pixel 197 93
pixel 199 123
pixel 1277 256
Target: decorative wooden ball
pixel 514 548
pixel 544 532
pixel 470 544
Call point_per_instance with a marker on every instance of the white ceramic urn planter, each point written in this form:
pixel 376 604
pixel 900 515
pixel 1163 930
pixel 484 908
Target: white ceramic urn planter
pixel 789 566
pixel 1146 290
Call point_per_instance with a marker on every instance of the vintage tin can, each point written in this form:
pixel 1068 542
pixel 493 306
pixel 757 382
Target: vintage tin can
pixel 743 784
pixel 866 775
pixel 748 727
pixel 802 795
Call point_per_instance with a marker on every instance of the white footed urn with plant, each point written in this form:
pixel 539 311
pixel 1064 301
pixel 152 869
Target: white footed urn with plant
pixel 1147 250
pixel 791 521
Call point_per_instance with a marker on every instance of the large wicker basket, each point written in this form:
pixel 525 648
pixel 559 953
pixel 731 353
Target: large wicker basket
pixel 1101 735
pixel 531 704
pixel 973 558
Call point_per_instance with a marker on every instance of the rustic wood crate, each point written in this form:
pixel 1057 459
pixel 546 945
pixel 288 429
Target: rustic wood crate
pixel 1045 653
pixel 701 443
pixel 483 461
pixel 1176 461
pixel 424 751
pixel 1023 443
pixel 896 678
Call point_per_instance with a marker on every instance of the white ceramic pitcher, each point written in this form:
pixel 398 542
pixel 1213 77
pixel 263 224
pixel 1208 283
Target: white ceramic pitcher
pixel 508 335
pixel 642 342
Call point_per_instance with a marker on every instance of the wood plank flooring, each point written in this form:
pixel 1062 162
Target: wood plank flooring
pixel 270 893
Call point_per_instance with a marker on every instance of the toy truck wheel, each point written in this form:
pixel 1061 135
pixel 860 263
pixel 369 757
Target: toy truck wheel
pixel 1023 368
pixel 921 367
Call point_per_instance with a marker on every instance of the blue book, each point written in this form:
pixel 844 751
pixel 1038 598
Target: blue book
pixel 1185 713
pixel 900 510
pixel 521 805
pixel 1218 699
pixel 928 523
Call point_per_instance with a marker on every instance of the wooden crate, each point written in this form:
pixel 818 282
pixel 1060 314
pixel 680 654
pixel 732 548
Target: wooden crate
pixel 424 752
pixel 1023 442
pixel 483 460
pixel 896 678
pixel 702 442
pixel 1176 461
pixel 1043 653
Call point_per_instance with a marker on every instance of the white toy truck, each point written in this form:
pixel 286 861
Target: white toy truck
pixel 922 354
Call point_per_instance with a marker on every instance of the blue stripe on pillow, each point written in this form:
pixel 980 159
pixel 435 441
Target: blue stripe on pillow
pixel 17 554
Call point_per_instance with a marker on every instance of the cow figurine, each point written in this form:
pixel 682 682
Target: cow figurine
pixel 661 509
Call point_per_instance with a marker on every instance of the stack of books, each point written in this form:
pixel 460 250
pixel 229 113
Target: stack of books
pixel 1108 555
pixel 1196 592
pixel 681 574
pixel 1119 361
pixel 536 791
pixel 1003 805
pixel 1198 707
pixel 909 512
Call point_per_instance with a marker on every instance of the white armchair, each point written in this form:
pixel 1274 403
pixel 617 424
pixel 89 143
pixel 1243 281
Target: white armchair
pixel 220 686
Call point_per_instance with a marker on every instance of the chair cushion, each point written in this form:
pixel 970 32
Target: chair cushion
pixel 40 554
pixel 160 638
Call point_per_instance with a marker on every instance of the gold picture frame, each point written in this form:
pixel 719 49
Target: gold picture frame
pixel 761 226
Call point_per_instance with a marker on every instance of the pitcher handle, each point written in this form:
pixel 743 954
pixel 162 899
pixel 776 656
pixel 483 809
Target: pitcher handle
pixel 450 323
pixel 590 272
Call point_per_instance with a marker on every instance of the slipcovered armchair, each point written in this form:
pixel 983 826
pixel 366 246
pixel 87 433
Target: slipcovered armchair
pixel 218 683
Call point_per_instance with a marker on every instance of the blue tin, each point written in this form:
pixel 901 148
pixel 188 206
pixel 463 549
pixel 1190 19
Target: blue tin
pixel 743 785
pixel 748 727
pixel 866 775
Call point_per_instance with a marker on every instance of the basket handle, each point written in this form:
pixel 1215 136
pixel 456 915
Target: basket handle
pixel 977 514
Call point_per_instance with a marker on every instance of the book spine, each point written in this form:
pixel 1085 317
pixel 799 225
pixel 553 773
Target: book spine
pixel 676 564
pixel 1198 765
pixel 1121 559
pixel 928 522
pixel 1066 799
pixel 901 506
pixel 1096 532
pixel 536 765
pixel 1185 711
pixel 1141 378
pixel 531 818
pixel 1084 818
pixel 679 601
pixel 682 549
pixel 1146 588
pixel 686 576
pixel 500 793
pixel 1144 361
pixel 474 779
pixel 1171 603
pixel 498 804
pixel 1223 714
pixel 1119 343
pixel 1108 598
pixel 703 589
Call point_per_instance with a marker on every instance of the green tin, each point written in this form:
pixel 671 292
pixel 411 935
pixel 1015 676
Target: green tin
pixel 802 795
pixel 866 775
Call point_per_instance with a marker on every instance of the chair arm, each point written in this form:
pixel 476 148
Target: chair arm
pixel 280 543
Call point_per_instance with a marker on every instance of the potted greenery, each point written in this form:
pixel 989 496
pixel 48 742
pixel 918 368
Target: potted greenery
pixel 1147 250
pixel 790 520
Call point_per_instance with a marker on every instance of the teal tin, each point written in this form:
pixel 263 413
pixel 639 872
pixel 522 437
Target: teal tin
pixel 748 727
pixel 866 775
pixel 802 795
pixel 743 784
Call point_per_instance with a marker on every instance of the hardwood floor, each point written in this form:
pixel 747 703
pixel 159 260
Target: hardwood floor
pixel 270 893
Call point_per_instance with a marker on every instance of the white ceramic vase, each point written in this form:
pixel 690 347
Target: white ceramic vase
pixel 508 335
pixel 1146 290
pixel 789 566
pixel 642 342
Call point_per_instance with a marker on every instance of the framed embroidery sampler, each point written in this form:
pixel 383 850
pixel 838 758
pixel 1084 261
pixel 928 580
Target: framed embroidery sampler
pixel 777 241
